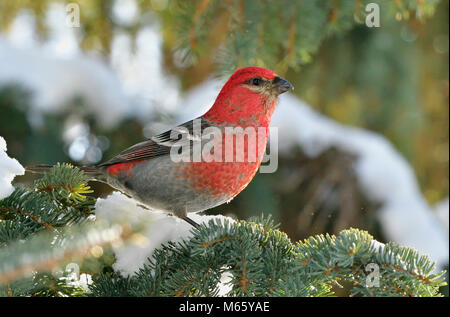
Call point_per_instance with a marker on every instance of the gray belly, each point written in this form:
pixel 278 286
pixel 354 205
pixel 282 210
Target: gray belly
pixel 157 184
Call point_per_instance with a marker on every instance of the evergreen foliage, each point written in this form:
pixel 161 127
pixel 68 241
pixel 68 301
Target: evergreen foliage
pixel 45 227
pixel 280 36
pixel 262 261
pixel 56 200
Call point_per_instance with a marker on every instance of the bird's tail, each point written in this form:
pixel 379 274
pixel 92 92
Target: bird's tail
pixel 92 172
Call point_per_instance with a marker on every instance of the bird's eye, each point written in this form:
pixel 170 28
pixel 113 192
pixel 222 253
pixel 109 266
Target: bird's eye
pixel 256 81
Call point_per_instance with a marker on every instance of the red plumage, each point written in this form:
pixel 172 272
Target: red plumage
pixel 148 172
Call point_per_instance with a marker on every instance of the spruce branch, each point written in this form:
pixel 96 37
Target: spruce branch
pixel 33 235
pixel 46 226
pixel 56 200
pixel 262 261
pixel 64 183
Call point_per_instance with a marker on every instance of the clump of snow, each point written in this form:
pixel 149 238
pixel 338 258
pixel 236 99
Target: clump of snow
pixel 383 173
pixel 377 245
pixel 225 285
pixel 56 71
pixel 142 73
pixel 125 12
pixel 74 279
pixel 157 228
pixel 84 281
pixel 9 168
pixel 54 82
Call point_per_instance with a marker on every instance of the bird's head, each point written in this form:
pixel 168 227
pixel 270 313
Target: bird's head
pixel 249 97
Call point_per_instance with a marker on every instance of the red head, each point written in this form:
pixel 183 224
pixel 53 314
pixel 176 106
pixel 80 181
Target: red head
pixel 248 98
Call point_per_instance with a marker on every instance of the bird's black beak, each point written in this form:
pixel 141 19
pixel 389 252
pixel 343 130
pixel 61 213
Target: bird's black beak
pixel 281 85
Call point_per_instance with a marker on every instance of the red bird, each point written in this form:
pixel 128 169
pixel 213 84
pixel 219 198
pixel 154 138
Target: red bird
pixel 152 173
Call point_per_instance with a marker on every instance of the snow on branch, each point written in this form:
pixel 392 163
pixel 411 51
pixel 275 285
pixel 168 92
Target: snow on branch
pixel 9 168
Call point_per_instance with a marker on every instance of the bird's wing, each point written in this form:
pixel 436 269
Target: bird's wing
pixel 160 144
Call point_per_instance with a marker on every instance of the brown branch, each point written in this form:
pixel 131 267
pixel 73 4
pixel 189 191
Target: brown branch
pixel 42 223
pixel 163 271
pixel 33 217
pixel 398 290
pixel 398 269
pixel 334 12
pixel 212 242
pixel 52 187
pixel 291 39
pixel 334 15
pixel 243 278
pixel 201 7
pixel 181 290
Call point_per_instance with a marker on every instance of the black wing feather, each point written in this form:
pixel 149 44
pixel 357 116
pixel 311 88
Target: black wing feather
pixel 158 145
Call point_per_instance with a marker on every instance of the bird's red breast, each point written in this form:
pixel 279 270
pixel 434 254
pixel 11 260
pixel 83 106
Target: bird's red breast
pixel 227 178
